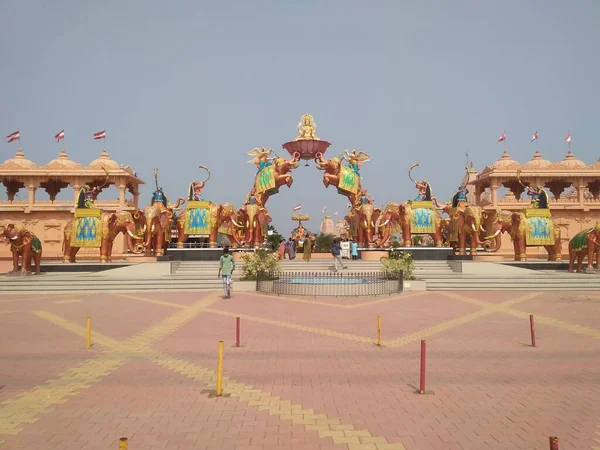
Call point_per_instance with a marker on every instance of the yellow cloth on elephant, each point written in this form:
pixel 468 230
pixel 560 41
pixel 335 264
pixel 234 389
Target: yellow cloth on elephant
pixel 197 218
pixel 265 180
pixel 422 217
pixel 540 231
pixel 348 181
pixel 87 228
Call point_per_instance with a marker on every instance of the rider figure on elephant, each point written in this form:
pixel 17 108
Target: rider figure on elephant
pixel 158 196
pixel 261 157
pixel 460 198
pixel 355 160
pixel 364 198
pixel 424 190
pixel 195 192
pixel 539 198
pixel 250 198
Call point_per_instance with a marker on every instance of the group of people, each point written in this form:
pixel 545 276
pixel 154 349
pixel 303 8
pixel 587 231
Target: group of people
pixel 289 248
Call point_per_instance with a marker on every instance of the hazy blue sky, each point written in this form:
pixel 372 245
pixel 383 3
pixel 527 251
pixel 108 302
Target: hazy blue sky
pixel 182 83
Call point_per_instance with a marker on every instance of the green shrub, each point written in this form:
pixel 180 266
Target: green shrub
pixel 323 243
pixel 259 263
pixel 398 262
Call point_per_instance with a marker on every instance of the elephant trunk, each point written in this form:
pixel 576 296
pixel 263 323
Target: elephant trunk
pixel 497 241
pixel 149 231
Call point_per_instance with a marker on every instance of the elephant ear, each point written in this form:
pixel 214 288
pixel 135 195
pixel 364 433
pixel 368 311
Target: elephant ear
pixel 27 238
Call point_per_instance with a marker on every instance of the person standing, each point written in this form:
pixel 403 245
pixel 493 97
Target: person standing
pixel 354 249
pixel 307 248
pixel 345 245
pixel 336 250
pixel 226 268
pixel 291 248
pixel 281 250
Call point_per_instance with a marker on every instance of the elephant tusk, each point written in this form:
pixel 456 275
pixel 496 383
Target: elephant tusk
pixel 234 222
pixel 493 235
pixel 144 229
pixel 473 226
pixel 130 234
pixel 247 223
pixel 385 223
pixel 152 229
pixel 481 229
pixel 365 224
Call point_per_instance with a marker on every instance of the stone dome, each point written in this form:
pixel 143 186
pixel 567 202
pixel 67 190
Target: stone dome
pixel 506 162
pixel 595 166
pixel 18 162
pixel 103 161
pixel 537 162
pixel 569 163
pixel 62 162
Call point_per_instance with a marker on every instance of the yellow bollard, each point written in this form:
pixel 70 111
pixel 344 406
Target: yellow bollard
pixel 220 370
pixel 88 333
pixel 123 444
pixel 378 331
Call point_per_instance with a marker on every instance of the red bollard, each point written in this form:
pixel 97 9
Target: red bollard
pixel 423 354
pixel 553 443
pixel 532 327
pixel 237 331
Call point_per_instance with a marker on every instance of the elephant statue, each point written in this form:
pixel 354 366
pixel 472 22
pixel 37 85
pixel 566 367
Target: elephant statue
pixel 366 216
pixel 466 222
pixel 282 175
pixel 407 217
pixel 586 242
pixel 516 225
pixel 25 244
pixel 352 225
pixel 223 219
pixel 333 169
pixel 132 225
pixel 255 219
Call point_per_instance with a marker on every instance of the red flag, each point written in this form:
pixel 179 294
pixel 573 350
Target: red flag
pixel 336 213
pixel 297 208
pixel 60 135
pixel 13 136
pixel 503 137
pixel 100 135
pixel 534 137
pixel 324 209
pixel 568 138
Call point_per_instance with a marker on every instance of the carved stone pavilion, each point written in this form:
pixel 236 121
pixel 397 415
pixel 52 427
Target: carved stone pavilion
pixel 46 216
pixel 573 188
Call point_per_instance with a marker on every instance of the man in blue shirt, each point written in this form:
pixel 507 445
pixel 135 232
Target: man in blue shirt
pixel 336 250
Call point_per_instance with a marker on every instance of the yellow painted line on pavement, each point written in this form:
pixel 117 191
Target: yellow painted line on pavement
pixel 65 302
pixel 326 427
pixel 154 302
pixel 294 326
pixel 29 406
pixel 447 325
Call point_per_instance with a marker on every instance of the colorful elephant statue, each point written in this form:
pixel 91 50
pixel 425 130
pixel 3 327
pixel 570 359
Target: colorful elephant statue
pixel 585 243
pixel 255 219
pixel 131 225
pixel 276 174
pixel 466 222
pixel 223 219
pixel 366 217
pixel 333 169
pixel 24 244
pixel 516 224
pixel 159 222
pixel 410 222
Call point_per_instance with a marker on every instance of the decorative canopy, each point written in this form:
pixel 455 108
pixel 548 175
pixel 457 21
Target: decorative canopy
pixel 18 162
pixel 307 144
pixel 537 162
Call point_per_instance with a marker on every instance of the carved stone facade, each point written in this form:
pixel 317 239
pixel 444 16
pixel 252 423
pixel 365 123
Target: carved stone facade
pixel 573 188
pixel 47 217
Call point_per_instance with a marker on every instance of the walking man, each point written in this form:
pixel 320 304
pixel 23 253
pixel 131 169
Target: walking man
pixel 336 250
pixel 226 268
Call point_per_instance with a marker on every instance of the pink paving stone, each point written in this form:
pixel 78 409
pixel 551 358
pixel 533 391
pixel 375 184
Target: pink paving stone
pixel 399 316
pixel 490 391
pixel 346 301
pixel 113 315
pixel 493 297
pixel 570 307
pixel 33 350
pixel 155 408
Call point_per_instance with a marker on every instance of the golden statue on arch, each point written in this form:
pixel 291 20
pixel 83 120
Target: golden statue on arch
pixel 307 129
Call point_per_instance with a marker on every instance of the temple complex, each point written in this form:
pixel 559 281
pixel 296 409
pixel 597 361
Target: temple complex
pixel 46 216
pixel 572 185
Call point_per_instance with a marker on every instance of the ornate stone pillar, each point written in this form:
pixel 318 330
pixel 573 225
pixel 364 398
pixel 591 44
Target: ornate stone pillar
pixel 122 188
pixel 31 188
pixel 580 193
pixel 136 199
pixel 76 187
pixel 494 189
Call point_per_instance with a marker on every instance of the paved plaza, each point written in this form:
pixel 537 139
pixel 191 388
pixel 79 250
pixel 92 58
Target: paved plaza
pixel 308 375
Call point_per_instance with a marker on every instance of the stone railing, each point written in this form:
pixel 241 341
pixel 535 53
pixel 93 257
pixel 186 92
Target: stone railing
pixel 50 203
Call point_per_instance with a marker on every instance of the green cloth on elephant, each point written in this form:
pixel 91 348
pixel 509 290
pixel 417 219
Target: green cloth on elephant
pixel 36 245
pixel 580 240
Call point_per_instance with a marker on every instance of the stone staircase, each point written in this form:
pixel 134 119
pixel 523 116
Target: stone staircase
pixel 202 275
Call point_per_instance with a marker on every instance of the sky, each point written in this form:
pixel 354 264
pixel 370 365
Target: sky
pixel 183 83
